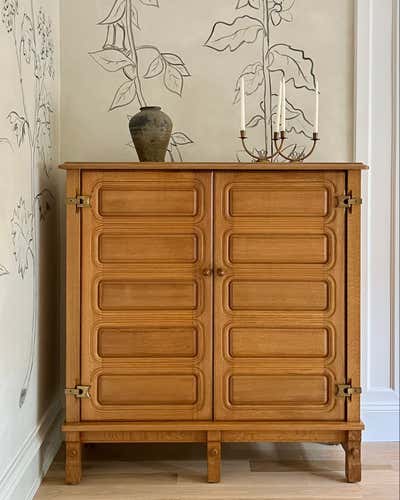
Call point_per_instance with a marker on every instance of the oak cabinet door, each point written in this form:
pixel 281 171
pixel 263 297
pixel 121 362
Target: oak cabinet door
pixel 146 296
pixel 279 328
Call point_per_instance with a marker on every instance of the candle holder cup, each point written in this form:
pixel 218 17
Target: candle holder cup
pixel 279 139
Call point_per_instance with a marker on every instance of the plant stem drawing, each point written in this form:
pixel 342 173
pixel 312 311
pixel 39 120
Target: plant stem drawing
pixel 121 52
pixel 31 35
pixel 275 60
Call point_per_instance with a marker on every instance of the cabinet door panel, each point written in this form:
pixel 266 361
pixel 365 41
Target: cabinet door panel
pixel 146 305
pixel 279 302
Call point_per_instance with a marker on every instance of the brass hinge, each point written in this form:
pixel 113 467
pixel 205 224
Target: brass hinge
pixel 80 391
pixel 346 390
pixel 348 201
pixel 80 201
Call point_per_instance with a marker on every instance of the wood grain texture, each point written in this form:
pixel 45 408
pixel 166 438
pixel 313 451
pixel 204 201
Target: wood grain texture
pixel 213 304
pixel 73 296
pixel 353 294
pixel 266 471
pixel 284 289
pixel 213 166
pixel 73 462
pixel 146 296
pixel 256 426
pixel 213 456
pixel 352 448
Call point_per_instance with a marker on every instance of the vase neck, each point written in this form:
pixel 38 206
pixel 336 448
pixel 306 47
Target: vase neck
pixel 154 108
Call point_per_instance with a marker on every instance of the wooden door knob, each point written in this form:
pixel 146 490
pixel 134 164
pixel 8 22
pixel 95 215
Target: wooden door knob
pixel 207 272
pixel 220 272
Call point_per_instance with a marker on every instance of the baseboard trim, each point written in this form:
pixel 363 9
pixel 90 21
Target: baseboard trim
pixel 381 422
pixel 26 471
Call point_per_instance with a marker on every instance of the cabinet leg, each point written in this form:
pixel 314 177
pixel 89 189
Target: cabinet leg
pixel 353 456
pixel 214 456
pixel 73 462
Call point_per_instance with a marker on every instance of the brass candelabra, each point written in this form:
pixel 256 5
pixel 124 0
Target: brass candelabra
pixel 279 139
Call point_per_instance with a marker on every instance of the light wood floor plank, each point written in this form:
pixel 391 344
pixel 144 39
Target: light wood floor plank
pixel 249 472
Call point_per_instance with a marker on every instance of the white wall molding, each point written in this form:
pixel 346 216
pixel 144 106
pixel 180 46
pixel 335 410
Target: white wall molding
pixel 376 143
pixel 23 476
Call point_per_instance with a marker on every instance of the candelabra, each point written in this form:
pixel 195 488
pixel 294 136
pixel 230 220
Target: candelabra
pixel 279 139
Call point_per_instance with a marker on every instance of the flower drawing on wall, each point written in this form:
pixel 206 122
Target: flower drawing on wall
pixel 121 53
pixel 258 24
pixel 30 124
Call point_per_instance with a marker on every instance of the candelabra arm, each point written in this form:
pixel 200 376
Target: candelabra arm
pixel 303 156
pixel 266 157
pixel 243 137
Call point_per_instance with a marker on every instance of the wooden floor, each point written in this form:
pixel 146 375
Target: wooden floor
pixel 249 471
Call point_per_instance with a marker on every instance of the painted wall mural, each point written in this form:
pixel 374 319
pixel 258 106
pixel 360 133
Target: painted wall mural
pixel 216 43
pixel 121 53
pixel 31 39
pixel 262 76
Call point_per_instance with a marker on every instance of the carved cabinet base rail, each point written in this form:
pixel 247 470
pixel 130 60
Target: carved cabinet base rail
pixel 213 303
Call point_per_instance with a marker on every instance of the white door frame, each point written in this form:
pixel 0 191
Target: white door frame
pixel 377 144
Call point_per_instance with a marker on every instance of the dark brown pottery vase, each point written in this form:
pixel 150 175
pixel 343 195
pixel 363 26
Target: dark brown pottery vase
pixel 151 132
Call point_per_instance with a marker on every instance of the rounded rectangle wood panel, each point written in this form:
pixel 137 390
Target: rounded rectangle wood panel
pixel 148 295
pixel 253 342
pixel 278 295
pixel 311 390
pixel 254 248
pixel 147 389
pixel 268 201
pixel 128 248
pixel 148 342
pixel 151 197
pixel 147 201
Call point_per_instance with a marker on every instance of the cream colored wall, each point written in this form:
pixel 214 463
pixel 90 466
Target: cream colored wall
pixel 29 233
pixel 205 112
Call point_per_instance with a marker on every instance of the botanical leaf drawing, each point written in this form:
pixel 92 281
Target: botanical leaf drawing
pixel 231 36
pixel 152 3
pixel 156 67
pixel 111 59
pixel 22 236
pixel 3 270
pixel 253 76
pixel 180 139
pixel 19 126
pixel 116 13
pixel 121 53
pixel 292 63
pixel 254 121
pixel 31 125
pixel 173 79
pixel 277 60
pixel 5 140
pixel 251 3
pixel 125 94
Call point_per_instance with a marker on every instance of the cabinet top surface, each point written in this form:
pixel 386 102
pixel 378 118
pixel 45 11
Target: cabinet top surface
pixel 212 166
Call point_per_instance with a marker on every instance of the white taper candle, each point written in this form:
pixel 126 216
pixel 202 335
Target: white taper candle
pixel 316 122
pixel 283 117
pixel 242 105
pixel 279 109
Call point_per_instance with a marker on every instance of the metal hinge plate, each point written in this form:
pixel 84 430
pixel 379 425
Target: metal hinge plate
pixel 346 390
pixel 80 201
pixel 80 391
pixel 348 201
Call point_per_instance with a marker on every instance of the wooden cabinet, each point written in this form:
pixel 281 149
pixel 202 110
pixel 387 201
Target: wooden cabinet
pixel 211 303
